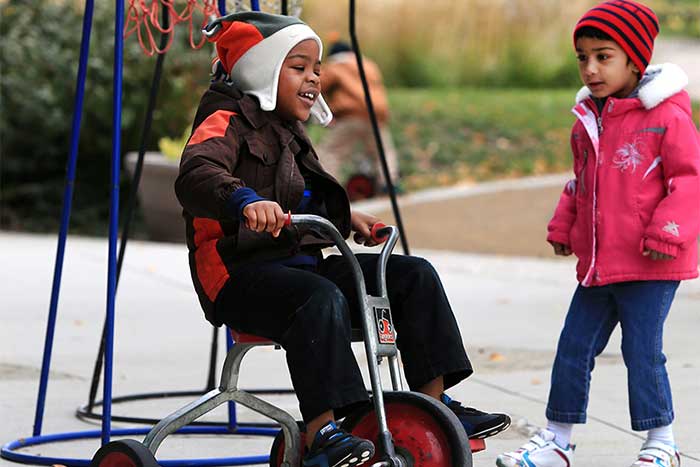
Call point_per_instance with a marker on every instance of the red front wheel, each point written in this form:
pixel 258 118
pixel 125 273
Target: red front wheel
pixel 425 433
pixel 124 453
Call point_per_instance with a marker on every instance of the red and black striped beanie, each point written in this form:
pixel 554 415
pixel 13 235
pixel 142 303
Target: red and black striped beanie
pixel 632 25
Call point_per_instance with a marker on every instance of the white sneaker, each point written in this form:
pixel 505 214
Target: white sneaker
pixel 540 451
pixel 656 453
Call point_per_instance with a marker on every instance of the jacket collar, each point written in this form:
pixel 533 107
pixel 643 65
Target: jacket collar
pixel 250 110
pixel 658 84
pixel 253 113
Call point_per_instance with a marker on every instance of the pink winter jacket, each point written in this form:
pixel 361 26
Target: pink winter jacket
pixel 637 184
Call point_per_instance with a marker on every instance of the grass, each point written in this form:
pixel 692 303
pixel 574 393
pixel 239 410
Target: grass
pixel 448 136
pixel 523 43
pixel 678 17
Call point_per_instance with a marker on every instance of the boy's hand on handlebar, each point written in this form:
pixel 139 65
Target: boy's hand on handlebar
pixel 264 216
pixel 362 225
pixel 560 249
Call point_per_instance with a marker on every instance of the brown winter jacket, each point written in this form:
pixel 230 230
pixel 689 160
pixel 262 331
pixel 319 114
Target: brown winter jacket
pixel 342 87
pixel 235 144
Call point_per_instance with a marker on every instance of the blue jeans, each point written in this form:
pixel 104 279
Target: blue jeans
pixel 641 309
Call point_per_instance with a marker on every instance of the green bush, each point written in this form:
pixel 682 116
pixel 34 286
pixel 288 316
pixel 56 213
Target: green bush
pixel 678 17
pixel 40 46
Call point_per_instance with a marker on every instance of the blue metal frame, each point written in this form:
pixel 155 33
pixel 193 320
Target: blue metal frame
pixel 65 215
pixel 8 451
pixel 113 217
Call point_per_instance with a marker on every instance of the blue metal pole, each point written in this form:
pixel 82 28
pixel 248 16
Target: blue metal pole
pixel 255 5
pixel 222 7
pixel 232 419
pixel 65 214
pixel 11 451
pixel 113 216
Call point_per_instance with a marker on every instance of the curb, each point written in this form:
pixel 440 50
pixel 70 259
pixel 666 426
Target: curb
pixel 432 195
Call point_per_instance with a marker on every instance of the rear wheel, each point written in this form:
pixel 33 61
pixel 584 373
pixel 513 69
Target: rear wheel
pixel 360 186
pixel 277 450
pixel 124 453
pixel 425 432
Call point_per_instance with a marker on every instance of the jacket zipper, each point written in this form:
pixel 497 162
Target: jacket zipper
pixel 297 246
pixel 600 125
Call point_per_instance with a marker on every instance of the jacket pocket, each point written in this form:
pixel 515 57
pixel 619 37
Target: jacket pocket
pixel 575 238
pixel 265 157
pixel 581 177
pixel 263 151
pixel 651 189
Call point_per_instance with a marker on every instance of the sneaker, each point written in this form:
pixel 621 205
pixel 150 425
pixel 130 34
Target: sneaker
pixel 540 451
pixel 658 453
pixel 334 447
pixel 477 424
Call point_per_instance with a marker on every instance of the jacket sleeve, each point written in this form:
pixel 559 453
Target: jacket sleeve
pixel 675 223
pixel 205 184
pixel 565 213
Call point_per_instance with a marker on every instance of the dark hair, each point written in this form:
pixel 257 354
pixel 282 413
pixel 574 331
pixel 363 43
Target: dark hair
pixel 339 47
pixel 593 33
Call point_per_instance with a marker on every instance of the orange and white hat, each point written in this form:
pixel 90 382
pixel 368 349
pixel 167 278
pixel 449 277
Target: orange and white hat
pixel 252 46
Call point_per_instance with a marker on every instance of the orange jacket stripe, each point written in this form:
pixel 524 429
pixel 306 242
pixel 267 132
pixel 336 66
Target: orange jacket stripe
pixel 211 271
pixel 214 126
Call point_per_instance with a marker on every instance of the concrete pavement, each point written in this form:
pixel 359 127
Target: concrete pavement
pixel 510 310
pixel 684 52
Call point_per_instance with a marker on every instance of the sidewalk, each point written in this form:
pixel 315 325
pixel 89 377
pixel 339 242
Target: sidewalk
pixel 684 52
pixel 510 311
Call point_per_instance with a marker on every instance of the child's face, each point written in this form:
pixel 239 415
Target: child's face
pixel 605 68
pixel 300 82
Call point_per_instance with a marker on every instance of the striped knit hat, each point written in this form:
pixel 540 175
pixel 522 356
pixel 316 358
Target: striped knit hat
pixel 252 46
pixel 632 25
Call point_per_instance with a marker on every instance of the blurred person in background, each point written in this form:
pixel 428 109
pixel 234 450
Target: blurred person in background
pixel 349 150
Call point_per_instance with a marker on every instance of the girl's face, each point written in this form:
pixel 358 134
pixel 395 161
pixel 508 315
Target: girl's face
pixel 300 82
pixel 605 68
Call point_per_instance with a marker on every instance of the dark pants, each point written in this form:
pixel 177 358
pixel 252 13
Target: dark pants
pixel 310 314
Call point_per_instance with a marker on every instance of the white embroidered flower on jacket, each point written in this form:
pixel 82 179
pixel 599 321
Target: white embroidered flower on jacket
pixel 628 157
pixel 672 228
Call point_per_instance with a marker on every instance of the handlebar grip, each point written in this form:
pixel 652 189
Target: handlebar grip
pixel 288 219
pixel 380 232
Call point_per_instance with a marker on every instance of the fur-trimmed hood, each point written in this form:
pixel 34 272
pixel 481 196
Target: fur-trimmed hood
pixel 658 84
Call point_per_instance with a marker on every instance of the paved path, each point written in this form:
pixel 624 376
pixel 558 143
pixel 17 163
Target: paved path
pixel 685 53
pixel 507 217
pixel 509 309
